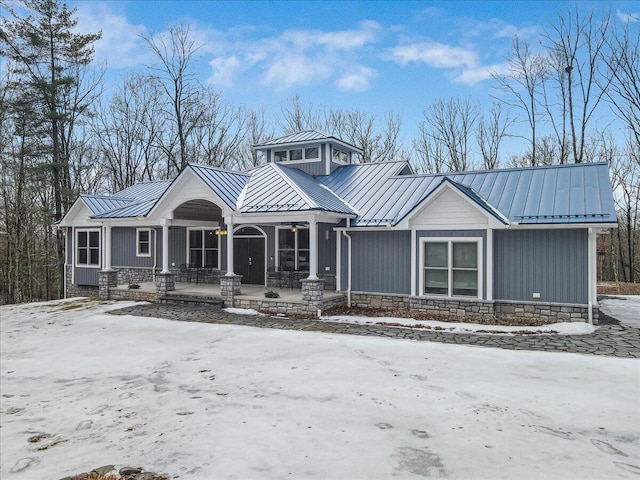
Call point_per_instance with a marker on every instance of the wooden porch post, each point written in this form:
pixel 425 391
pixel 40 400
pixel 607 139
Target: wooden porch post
pixel 313 249
pixel 165 247
pixel 229 248
pixel 107 246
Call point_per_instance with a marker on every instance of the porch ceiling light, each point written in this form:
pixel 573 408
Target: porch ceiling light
pixel 294 227
pixel 221 232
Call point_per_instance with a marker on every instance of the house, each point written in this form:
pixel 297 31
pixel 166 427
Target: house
pixel 516 242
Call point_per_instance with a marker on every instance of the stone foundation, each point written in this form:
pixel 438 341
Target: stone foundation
pixel 135 295
pixel 313 295
pixel 521 312
pixel 106 280
pixel 230 289
pixel 129 275
pixel 165 282
pixel 78 290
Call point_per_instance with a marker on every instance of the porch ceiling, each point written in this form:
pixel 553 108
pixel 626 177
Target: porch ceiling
pixel 202 210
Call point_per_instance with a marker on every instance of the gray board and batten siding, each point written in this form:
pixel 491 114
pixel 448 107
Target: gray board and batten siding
pixel 381 262
pixel 550 262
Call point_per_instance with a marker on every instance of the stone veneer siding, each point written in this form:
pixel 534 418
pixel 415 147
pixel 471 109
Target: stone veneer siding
pixel 135 295
pixel 274 305
pixel 523 312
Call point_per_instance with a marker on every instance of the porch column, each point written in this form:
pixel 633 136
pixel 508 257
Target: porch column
pixel 230 249
pixel 165 247
pixel 107 247
pixel 313 249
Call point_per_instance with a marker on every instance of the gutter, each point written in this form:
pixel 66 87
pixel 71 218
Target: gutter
pixel 344 233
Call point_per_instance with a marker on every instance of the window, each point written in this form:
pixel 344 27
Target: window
pixel 203 248
pixel 293 248
pixel 296 155
pixel 88 248
pixel 144 242
pixel 340 157
pixel 450 267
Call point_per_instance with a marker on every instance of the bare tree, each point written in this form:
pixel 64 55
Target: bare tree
pixel 175 52
pixel 623 63
pixel 579 43
pixel 452 124
pixel 491 132
pixel 522 85
pixel 257 131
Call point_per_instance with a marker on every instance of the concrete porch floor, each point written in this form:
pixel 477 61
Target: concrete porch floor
pixel 249 292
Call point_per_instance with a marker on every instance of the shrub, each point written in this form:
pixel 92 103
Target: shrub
pixel 134 286
pixel 271 294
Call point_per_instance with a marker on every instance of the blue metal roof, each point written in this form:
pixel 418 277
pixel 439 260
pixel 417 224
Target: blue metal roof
pixel 102 203
pixel 306 136
pixel 133 209
pixel 322 198
pixel 226 184
pixel 578 193
pixel 143 190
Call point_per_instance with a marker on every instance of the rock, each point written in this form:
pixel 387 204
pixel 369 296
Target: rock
pixel 130 471
pixel 104 470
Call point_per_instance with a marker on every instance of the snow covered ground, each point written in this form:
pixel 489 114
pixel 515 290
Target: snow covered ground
pixel 203 401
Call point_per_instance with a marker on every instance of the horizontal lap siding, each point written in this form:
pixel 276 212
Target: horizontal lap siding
pixel 381 262
pixel 550 262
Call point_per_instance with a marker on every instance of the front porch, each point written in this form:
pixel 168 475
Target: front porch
pixel 252 296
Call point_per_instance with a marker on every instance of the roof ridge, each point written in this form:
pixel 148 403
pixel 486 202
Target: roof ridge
pixel 294 185
pixel 219 169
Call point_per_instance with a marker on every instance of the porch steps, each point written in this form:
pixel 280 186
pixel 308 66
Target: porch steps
pixel 190 300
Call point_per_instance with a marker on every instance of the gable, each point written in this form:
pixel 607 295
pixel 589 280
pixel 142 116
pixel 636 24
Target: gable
pixel 78 213
pixel 449 208
pixel 187 186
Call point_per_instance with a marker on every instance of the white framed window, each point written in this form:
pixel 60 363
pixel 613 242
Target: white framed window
pixel 143 241
pixel 340 156
pixel 297 155
pixel 451 267
pixel 203 248
pixel 88 248
pixel 292 248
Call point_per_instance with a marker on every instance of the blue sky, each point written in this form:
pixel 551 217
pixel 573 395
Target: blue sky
pixel 376 56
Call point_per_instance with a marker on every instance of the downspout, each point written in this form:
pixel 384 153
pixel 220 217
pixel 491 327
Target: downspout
pixel 155 253
pixel 344 232
pixel 590 248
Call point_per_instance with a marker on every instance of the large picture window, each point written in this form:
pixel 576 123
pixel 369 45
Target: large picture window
pixel 451 268
pixel 293 248
pixel 88 248
pixel 204 246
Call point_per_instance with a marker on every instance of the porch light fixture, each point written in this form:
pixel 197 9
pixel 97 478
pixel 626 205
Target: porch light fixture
pixel 294 228
pixel 221 232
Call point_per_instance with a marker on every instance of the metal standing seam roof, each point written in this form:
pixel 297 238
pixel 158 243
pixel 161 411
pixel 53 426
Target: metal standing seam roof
pixel 133 209
pixel 303 137
pixel 226 184
pixel 143 190
pixel 579 193
pixel 322 197
pixel 102 203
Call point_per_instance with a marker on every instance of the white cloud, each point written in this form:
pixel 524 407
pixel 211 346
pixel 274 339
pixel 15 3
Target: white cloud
pixel 120 44
pixel 434 54
pixel 357 81
pixel 628 17
pixel 225 70
pixel 462 63
pixel 300 57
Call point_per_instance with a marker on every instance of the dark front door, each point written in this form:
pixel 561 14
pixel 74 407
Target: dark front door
pixel 248 259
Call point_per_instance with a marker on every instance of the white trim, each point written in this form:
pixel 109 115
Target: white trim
pixel 560 226
pixel 202 229
pixel 414 266
pixel 295 246
pixel 450 241
pixel 338 262
pixel 489 266
pixel 408 220
pixel 100 249
pixel 304 158
pixel 138 230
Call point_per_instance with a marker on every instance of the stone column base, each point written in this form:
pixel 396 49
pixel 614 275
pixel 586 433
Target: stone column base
pixel 313 295
pixel 165 282
pixel 230 288
pixel 106 280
